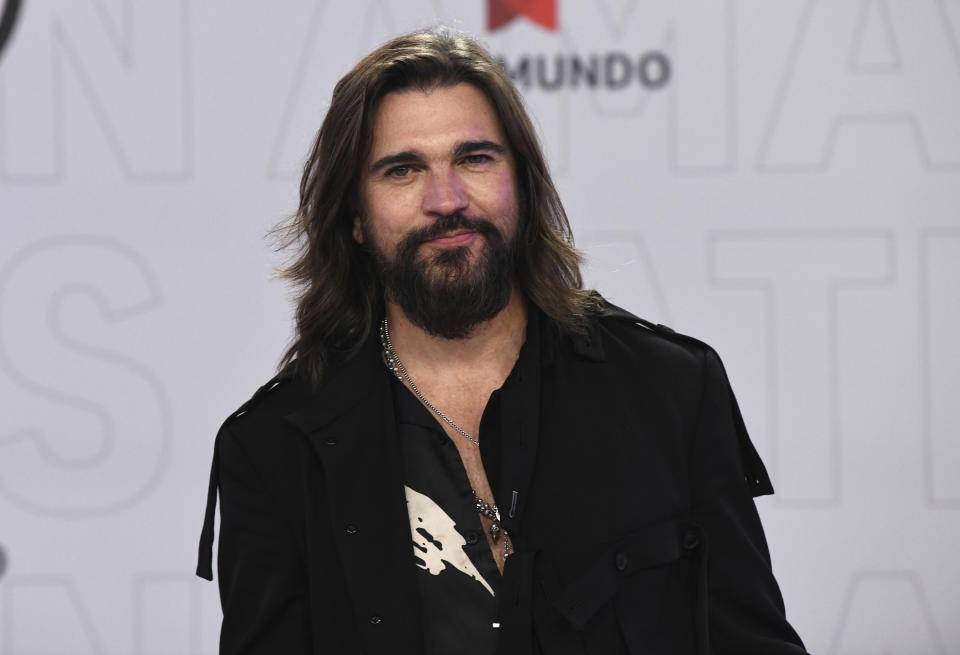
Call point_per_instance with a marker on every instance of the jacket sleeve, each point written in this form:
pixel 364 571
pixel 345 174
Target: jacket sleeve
pixel 745 611
pixel 261 573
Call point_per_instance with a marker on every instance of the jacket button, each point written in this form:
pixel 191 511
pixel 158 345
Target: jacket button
pixel 621 561
pixel 691 540
pixel 331 441
pixel 473 538
pixel 351 528
pixel 375 620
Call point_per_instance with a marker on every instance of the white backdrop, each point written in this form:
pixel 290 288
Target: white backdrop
pixel 780 179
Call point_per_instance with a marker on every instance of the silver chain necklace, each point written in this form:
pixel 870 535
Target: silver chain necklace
pixel 395 365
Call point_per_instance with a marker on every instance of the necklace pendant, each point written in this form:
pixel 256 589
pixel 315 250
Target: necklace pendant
pixel 495 532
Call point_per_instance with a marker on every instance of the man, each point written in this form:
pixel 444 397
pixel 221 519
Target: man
pixel 465 452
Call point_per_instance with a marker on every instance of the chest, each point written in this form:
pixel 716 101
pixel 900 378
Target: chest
pixel 611 454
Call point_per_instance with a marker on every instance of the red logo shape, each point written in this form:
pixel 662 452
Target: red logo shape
pixel 541 12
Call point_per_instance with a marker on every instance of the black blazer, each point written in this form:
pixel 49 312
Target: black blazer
pixel 633 521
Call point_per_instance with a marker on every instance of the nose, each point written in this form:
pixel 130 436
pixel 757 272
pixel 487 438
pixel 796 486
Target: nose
pixel 445 193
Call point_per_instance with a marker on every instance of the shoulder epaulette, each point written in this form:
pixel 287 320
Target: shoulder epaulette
pixel 589 346
pixel 259 394
pixel 610 310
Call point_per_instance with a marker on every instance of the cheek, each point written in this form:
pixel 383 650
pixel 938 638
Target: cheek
pixel 383 233
pixel 376 241
pixel 392 213
pixel 507 206
pixel 507 192
pixel 496 197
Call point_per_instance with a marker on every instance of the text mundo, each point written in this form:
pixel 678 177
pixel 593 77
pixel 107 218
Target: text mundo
pixel 612 70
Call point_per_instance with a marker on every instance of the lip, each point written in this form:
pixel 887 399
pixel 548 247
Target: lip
pixel 455 238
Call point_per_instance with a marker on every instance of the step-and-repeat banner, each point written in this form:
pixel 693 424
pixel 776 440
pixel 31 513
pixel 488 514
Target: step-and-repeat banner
pixel 780 179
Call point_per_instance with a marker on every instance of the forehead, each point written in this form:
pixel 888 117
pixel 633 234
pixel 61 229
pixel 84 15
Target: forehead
pixel 437 118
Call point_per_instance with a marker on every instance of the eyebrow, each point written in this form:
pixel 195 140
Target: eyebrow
pixel 473 146
pixel 412 157
pixel 405 157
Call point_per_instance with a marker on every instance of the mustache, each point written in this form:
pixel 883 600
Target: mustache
pixel 449 223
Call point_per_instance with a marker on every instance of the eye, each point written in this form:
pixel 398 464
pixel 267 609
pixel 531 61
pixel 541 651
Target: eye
pixel 399 171
pixel 476 159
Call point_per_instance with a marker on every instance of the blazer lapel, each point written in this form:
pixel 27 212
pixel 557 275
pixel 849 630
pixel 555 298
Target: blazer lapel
pixel 352 429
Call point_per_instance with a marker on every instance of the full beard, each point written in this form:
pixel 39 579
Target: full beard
pixel 443 292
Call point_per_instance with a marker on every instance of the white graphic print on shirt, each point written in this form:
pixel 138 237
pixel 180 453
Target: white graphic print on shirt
pixel 435 539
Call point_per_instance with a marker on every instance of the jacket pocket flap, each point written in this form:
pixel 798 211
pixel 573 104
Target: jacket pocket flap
pixel 649 547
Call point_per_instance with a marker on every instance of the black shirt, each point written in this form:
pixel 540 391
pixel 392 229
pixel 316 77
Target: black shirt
pixel 457 576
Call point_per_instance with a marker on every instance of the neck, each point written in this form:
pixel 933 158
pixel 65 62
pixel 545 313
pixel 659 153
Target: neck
pixel 493 343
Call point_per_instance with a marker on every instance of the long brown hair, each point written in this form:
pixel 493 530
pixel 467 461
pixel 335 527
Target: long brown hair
pixel 338 294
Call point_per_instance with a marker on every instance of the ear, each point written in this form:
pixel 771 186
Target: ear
pixel 358 229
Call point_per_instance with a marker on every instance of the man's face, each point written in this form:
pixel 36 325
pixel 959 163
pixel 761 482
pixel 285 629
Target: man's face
pixel 440 211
